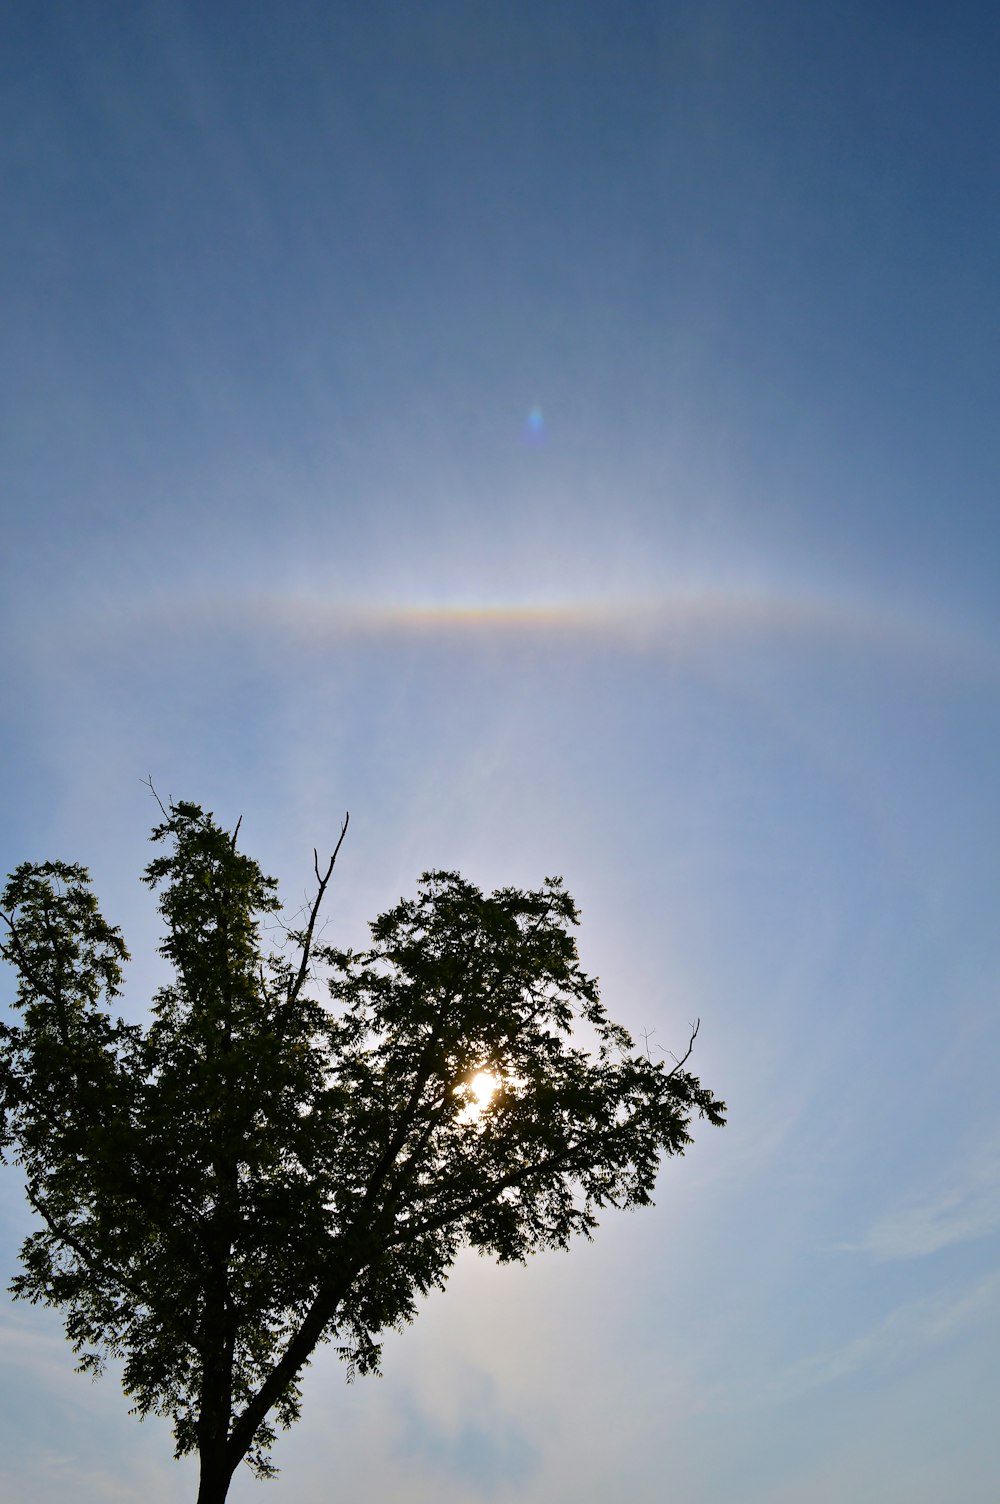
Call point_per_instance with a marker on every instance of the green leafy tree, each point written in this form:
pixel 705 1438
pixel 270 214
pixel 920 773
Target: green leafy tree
pixel 257 1171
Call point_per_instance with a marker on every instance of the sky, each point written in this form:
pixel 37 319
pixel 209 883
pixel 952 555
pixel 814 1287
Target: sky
pixel 564 436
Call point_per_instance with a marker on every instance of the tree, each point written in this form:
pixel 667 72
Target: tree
pixel 257 1172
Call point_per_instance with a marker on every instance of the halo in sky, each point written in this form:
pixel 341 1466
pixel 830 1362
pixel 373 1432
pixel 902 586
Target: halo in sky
pixel 674 620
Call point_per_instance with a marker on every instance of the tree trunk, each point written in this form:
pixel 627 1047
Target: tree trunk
pixel 215 1475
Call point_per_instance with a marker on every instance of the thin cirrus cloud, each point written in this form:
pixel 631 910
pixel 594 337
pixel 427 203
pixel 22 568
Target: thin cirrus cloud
pixel 477 1446
pixel 896 1341
pixel 963 1205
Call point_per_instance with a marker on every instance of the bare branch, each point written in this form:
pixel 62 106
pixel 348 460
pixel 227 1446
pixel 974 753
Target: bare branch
pixel 296 986
pixel 148 781
pixel 687 1053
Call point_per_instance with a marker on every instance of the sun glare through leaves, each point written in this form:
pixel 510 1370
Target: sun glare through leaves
pixel 478 1092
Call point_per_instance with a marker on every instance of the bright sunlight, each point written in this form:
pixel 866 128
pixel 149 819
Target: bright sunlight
pixel 477 1091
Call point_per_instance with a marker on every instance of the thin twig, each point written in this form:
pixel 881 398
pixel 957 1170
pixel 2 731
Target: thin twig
pixel 323 880
pixel 148 781
pixel 687 1053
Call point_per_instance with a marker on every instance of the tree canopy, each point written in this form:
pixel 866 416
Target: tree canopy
pixel 261 1168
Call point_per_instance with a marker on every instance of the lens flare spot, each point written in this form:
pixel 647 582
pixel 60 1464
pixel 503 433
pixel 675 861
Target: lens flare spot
pixel 534 427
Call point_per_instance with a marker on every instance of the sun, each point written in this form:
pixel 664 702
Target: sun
pixel 482 1086
pixel 478 1092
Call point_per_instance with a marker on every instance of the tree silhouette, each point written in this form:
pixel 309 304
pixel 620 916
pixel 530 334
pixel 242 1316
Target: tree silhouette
pixel 258 1171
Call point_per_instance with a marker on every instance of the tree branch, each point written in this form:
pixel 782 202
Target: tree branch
pixel 24 965
pixel 62 1234
pixel 687 1053
pixel 148 781
pixel 296 986
pixel 328 1297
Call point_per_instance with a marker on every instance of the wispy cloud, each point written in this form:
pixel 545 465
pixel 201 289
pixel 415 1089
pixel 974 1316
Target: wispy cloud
pixel 45 1355
pixel 475 1445
pixel 904 1333
pixel 962 1204
pixel 54 1475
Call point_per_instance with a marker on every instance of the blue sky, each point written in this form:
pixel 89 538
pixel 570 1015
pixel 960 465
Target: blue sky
pixel 564 435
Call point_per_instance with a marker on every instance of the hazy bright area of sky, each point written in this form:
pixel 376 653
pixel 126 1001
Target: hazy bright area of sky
pixel 565 436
